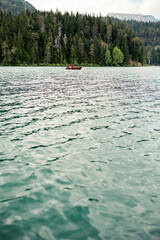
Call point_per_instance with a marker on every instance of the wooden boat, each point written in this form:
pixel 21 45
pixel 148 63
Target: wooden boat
pixel 73 68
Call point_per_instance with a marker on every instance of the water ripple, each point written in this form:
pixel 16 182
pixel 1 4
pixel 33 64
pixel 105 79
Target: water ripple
pixel 79 149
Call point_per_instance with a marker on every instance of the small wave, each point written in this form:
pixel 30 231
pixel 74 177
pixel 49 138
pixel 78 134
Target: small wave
pixel 142 140
pixel 25 124
pixel 100 127
pixel 127 133
pixel 31 132
pixel 134 126
pixel 70 140
pixel 155 233
pixel 54 159
pixel 93 200
pixel 16 139
pixel 11 104
pixel 94 161
pixel 120 136
pixel 41 146
pixel 7 159
pixel 10 199
pixel 68 188
pixel 57 158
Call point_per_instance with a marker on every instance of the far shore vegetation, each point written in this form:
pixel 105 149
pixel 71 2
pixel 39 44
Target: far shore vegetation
pixel 56 39
pixel 133 64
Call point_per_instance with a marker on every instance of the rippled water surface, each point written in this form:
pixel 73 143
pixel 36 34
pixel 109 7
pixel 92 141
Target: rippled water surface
pixel 79 153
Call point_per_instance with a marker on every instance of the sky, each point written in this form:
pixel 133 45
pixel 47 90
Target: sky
pixel 145 7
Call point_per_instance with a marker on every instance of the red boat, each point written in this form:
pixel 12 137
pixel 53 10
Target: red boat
pixel 73 68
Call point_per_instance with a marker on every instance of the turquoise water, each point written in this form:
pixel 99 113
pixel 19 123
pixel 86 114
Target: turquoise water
pixel 79 153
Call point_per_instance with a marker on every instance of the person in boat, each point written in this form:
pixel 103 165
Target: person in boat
pixel 71 66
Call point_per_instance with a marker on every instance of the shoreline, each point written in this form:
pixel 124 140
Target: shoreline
pixel 79 65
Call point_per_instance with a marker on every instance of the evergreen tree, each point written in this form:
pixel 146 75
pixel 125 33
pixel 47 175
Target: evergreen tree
pixel 150 34
pixel 48 37
pixel 108 58
pixel 4 52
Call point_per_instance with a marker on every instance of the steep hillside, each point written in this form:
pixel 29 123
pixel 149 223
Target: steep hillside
pixel 15 6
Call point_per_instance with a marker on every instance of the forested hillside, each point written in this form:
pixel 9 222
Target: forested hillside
pixel 150 34
pixel 15 6
pixel 56 38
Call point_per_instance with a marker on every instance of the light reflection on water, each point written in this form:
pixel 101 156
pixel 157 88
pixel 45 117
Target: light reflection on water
pixel 79 155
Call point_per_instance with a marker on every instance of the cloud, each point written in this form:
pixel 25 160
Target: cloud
pixel 100 6
pixel 150 7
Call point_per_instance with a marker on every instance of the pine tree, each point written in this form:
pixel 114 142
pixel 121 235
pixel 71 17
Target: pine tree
pixel 4 52
pixel 48 37
pixel 108 58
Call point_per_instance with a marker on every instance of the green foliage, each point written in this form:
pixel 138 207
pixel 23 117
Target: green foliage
pixel 118 56
pixel 149 33
pixel 56 38
pixel 108 58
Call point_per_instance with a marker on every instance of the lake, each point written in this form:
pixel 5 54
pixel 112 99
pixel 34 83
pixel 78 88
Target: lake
pixel 80 153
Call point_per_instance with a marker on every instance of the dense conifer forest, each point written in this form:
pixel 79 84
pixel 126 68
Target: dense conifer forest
pixel 55 38
pixel 150 34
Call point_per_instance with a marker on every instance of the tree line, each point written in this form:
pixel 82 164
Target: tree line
pixel 149 32
pixel 56 38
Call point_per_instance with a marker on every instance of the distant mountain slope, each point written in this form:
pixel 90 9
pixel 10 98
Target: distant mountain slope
pixel 136 17
pixel 15 6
